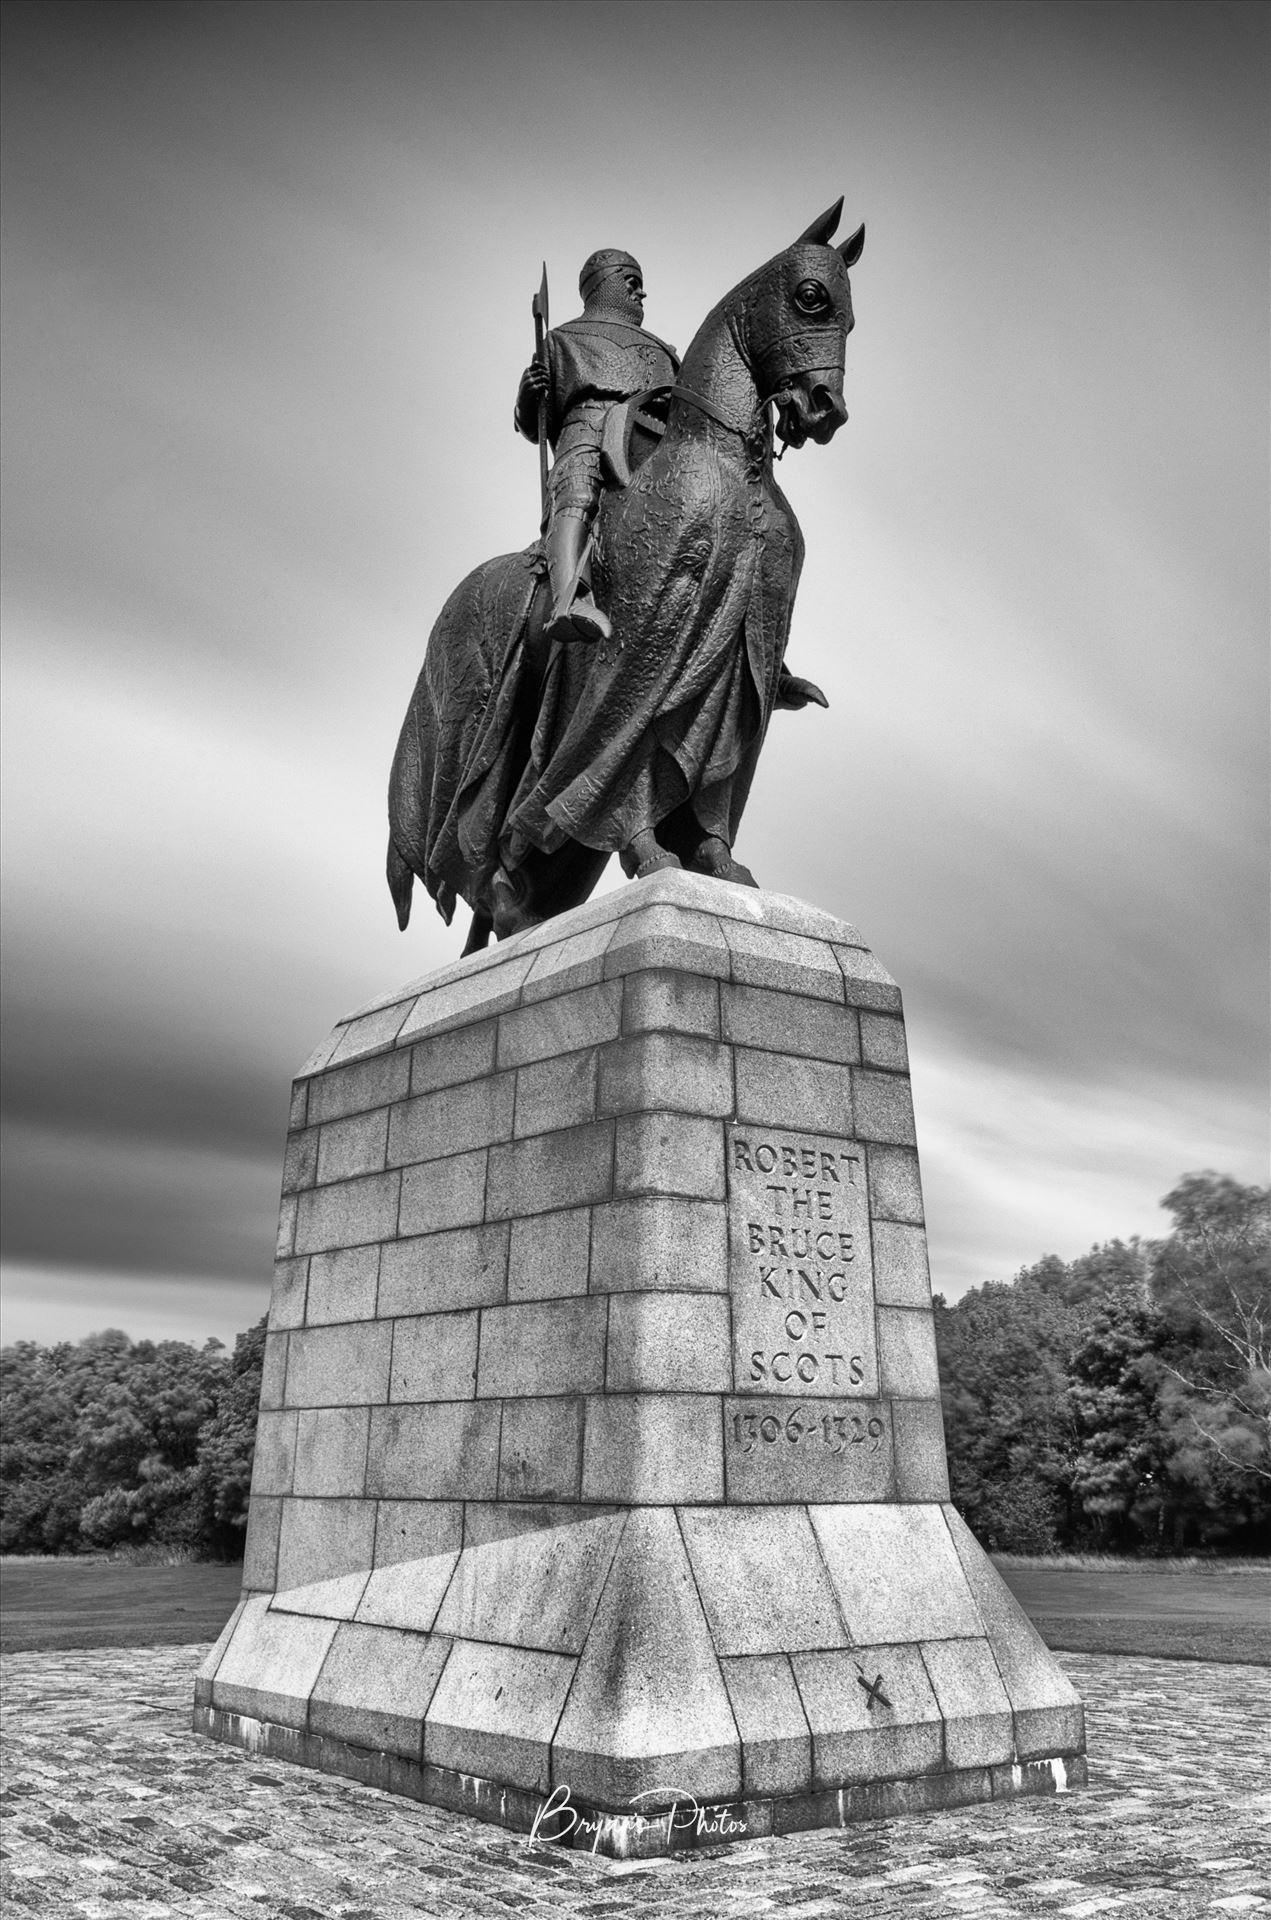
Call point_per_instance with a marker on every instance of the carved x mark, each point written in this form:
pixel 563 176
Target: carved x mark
pixel 874 1690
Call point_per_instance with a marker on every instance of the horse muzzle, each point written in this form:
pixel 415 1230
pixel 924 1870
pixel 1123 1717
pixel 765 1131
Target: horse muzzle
pixel 815 412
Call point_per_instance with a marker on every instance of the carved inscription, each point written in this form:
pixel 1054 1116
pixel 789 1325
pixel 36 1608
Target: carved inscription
pixel 799 1266
pixel 821 1450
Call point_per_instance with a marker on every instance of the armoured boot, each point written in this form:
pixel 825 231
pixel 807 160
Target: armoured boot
pixel 575 615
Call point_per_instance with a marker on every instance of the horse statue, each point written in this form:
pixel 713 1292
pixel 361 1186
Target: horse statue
pixel 522 765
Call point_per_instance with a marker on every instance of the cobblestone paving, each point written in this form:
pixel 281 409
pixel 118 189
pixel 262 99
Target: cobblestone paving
pixel 113 1809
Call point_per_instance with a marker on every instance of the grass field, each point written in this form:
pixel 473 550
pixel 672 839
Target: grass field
pixel 1207 1612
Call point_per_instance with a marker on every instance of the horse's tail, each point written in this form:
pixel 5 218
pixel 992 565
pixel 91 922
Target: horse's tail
pixel 401 882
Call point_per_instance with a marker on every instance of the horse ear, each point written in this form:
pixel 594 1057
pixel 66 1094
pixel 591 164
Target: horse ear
pixel 851 250
pixel 820 232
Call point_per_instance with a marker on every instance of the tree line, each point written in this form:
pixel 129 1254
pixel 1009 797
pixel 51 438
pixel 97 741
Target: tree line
pixel 1121 1402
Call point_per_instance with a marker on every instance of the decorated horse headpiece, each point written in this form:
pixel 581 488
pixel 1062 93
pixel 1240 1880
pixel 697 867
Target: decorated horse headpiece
pixel 794 314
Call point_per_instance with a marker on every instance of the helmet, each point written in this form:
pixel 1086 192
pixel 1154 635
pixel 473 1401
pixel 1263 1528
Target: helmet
pixel 599 266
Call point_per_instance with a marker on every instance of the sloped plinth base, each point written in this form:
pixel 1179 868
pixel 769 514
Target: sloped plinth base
pixel 684 1826
pixel 583 1672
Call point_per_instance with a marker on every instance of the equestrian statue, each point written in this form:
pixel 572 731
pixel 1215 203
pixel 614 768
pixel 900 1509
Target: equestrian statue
pixel 608 690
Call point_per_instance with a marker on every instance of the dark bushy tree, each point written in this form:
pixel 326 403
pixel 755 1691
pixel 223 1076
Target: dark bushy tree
pixel 109 1441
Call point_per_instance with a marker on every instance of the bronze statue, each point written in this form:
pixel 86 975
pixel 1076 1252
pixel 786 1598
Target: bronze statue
pixel 525 759
pixel 586 366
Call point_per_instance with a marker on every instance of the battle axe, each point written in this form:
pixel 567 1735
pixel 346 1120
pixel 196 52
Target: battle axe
pixel 539 310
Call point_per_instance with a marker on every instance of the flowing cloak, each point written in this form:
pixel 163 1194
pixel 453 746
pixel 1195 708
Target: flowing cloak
pixel 697 564
pixel 698 561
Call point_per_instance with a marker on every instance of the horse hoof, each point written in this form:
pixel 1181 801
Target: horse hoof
pixel 656 863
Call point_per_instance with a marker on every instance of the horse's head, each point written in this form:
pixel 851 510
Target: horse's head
pixel 791 320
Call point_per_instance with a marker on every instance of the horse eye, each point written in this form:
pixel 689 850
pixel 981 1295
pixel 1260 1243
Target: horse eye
pixel 811 296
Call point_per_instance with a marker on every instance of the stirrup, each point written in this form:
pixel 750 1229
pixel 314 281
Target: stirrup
pixel 581 621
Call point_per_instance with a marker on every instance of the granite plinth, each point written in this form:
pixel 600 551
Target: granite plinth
pixel 600 1461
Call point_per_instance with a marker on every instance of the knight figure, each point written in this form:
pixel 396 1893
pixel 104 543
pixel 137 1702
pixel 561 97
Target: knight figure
pixel 589 365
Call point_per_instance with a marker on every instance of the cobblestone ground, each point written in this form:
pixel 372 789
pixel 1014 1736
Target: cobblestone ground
pixel 113 1809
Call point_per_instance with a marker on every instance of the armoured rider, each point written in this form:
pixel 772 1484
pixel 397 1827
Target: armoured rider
pixel 592 363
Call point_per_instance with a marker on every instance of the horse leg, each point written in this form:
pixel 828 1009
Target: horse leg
pixel 478 933
pixel 703 849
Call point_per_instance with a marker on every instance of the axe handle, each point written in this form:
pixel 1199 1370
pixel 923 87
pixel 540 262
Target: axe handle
pixel 541 357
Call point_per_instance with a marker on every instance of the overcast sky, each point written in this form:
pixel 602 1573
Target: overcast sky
pixel 266 286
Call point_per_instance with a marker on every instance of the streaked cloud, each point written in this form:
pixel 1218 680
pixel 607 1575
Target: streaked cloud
pixel 267 277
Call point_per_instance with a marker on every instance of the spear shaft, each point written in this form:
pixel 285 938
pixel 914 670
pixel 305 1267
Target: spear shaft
pixel 539 309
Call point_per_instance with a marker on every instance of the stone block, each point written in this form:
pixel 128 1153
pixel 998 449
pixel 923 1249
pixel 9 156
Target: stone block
pixel 269 1669
pixel 670 1071
pixel 369 1033
pixel 494 1713
pixel 275 1457
pixel 648 1707
pixel 780 1450
pixel 260 1558
pixel 375 1686
pixel 530 1576
pixel 417 1545
pixel 652 1450
pixel 565 965
pixel 344 1366
pixel 883 1042
pixel 273 1376
pixel 659 1243
pixel 542 1347
pixel 866 983
pixel 454 1120
pixel 665 1001
pixel 321 1054
pixel 895 1573
pixel 668 1153
pixel 541 1450
pixel 434 1357
pixel 342 1285
pixel 762 1580
pixel 763 956
pixel 207 1672
pixel 287 1300
pixel 775 1741
pixel 465 1053
pixel 1049 1718
pixel 922 1471
pixel 549 1171
pixel 331 1451
pixel 668 1343
pixel 565 1024
pixel 549 1255
pixel 784 912
pixel 895 1188
pixel 349 1214
pixel 902 1277
pixel 857 1736
pixel 883 1107
pixel 298 1114
pixel 774 1091
pixel 551 1094
pixel 325 1550
pixel 789 1023
pixel 353 1146
pixel 376 1082
pixel 907 1353
pixel 444 1271
pixel 444 1194
pixel 472 996
pixel 970 1695
pixel 300 1160
pixel 285 1244
pixel 445 1451
pixel 667 937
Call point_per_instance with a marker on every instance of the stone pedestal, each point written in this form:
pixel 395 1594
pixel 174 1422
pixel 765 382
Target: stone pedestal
pixel 600 1464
